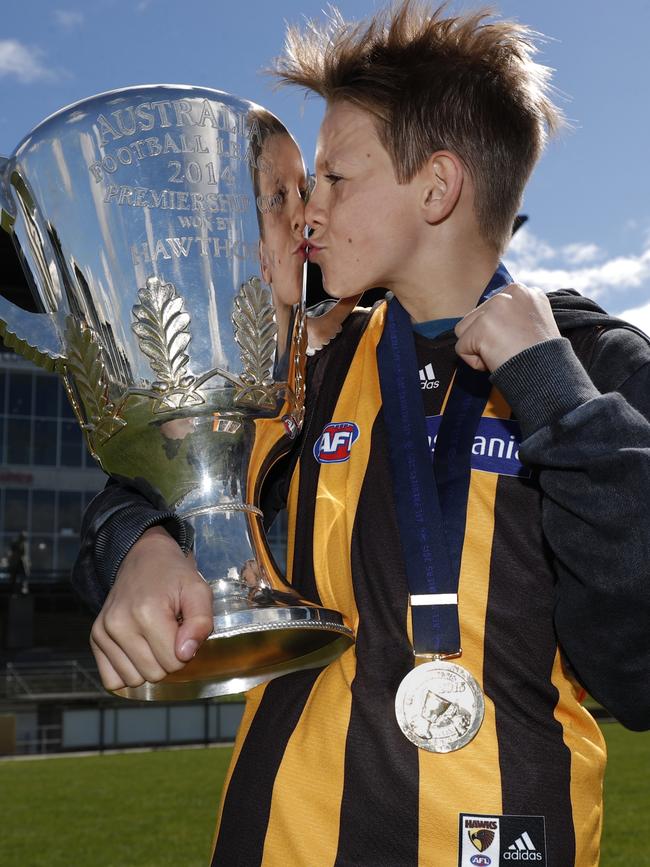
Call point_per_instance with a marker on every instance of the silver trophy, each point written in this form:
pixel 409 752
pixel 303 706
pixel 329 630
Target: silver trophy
pixel 160 230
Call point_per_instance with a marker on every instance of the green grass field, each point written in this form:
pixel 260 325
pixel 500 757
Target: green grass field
pixel 627 798
pixel 157 809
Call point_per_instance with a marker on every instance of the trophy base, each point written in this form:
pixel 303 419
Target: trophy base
pixel 250 647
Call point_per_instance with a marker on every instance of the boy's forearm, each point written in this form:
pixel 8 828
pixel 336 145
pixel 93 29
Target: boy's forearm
pixel 592 453
pixel 114 521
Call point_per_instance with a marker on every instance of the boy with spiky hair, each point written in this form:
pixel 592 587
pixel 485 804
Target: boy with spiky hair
pixel 431 84
pixel 484 595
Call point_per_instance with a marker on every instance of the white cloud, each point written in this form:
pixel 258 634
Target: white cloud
pixel 23 62
pixel 579 254
pixel 527 250
pixel 617 281
pixel 68 19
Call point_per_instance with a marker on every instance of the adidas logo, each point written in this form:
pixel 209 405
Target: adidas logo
pixel 523 849
pixel 428 378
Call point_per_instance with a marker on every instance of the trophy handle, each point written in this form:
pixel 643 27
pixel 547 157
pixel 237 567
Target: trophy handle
pixel 32 335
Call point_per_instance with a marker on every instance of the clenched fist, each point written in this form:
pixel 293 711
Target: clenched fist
pixel 512 320
pixel 155 617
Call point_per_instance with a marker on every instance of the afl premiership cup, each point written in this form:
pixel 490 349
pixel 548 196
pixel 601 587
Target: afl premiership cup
pixel 157 230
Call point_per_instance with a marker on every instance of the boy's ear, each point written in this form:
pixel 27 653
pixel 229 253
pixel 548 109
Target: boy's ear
pixel 442 177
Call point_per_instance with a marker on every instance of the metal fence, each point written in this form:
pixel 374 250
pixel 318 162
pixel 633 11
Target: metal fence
pixel 61 706
pixel 60 679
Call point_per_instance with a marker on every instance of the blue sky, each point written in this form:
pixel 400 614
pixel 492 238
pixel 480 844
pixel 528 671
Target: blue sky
pixel 588 201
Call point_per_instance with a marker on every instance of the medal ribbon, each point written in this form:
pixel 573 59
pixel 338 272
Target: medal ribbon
pixel 430 496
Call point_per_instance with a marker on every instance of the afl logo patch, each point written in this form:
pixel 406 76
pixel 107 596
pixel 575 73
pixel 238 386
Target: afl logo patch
pixel 334 444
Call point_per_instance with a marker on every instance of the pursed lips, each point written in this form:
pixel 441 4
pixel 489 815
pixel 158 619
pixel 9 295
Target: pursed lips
pixel 306 248
pixel 302 249
pixel 313 249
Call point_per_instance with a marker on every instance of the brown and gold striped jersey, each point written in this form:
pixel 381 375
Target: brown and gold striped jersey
pixel 321 773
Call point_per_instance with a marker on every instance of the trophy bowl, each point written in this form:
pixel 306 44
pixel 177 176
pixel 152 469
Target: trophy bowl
pixel 160 228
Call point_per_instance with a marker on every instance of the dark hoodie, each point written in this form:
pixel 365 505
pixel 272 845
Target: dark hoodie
pixel 586 432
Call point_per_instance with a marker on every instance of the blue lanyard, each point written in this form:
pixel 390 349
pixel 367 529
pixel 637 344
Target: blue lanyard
pixel 430 498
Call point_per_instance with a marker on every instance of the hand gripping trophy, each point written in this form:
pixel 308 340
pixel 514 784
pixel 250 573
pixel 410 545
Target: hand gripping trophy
pixel 153 226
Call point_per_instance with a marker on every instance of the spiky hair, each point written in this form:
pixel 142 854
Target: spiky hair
pixel 468 84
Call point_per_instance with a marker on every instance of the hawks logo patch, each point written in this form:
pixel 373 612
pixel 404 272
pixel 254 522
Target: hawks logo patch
pixel 335 443
pixel 481 839
pixel 501 840
pixel 479 834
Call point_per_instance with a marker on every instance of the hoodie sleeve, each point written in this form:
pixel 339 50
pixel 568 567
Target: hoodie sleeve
pixel 588 437
pixel 113 522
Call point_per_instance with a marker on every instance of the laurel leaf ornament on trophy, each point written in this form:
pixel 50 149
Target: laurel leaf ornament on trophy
pixel 85 366
pixel 162 329
pixel 255 333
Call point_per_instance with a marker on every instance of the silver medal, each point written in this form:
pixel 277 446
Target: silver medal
pixel 439 706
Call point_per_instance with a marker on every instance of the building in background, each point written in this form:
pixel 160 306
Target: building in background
pixel 47 476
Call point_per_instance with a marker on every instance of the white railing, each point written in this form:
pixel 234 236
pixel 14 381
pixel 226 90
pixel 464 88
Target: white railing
pixel 33 681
